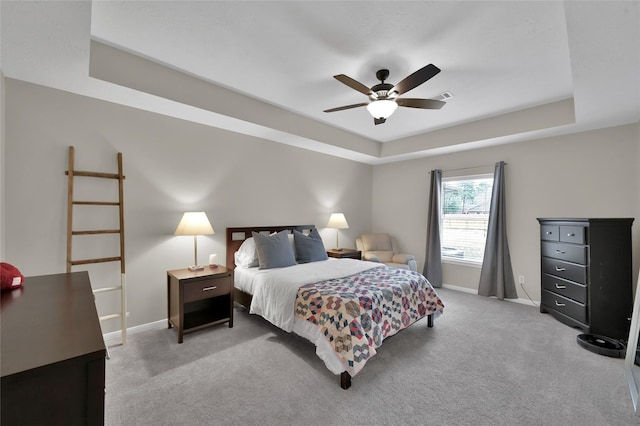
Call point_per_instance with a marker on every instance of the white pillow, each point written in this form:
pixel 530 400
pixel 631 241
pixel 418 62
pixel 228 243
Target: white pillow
pixel 246 256
pixel 293 243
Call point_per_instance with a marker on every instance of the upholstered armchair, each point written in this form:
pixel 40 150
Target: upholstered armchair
pixel 382 248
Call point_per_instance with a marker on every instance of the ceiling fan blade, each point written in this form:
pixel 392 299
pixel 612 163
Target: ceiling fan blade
pixel 416 79
pixel 420 103
pixel 346 107
pixel 353 84
pixel 377 121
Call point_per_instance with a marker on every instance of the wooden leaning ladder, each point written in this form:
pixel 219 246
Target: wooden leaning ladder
pixel 72 173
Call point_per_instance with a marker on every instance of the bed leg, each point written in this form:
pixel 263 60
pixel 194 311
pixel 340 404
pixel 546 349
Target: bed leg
pixel 430 321
pixel 345 380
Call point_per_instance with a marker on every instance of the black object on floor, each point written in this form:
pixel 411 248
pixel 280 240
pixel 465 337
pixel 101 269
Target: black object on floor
pixel 602 345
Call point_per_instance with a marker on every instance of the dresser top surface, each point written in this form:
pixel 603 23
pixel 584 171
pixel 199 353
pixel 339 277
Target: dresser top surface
pixel 52 318
pixel 585 220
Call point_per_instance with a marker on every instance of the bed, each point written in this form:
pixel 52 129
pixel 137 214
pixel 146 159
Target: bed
pixel 346 307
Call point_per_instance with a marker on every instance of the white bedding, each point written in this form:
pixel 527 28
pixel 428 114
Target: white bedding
pixel 274 296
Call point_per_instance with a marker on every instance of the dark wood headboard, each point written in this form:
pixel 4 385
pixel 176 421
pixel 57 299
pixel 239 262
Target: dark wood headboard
pixel 236 236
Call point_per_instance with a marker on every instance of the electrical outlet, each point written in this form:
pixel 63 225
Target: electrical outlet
pixel 521 279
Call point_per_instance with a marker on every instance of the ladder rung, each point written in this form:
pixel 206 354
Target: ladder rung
pixel 97 203
pixel 95 174
pixel 105 289
pixel 98 231
pixel 101 260
pixel 108 317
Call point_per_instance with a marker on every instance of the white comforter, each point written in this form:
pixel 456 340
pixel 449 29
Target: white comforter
pixel 274 296
pixel 275 290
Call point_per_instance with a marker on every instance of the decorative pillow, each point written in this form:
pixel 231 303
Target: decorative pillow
pixel 10 277
pixel 309 248
pixel 274 251
pixel 246 256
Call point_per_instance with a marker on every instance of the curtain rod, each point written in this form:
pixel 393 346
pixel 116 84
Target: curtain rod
pixel 468 168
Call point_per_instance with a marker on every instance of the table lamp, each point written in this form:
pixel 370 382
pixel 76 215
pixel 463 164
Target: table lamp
pixel 194 223
pixel 337 221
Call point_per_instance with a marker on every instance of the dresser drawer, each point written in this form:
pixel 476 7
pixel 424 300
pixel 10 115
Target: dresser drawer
pixel 205 289
pixel 575 291
pixel 573 234
pixel 571 308
pixel 562 269
pixel 568 252
pixel 550 232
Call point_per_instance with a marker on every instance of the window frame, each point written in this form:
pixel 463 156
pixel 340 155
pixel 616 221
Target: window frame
pixel 454 260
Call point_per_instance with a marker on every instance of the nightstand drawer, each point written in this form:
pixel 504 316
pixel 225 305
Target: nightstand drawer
pixel 204 289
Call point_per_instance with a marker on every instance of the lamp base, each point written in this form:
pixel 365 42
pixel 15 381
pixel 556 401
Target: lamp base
pixel 196 268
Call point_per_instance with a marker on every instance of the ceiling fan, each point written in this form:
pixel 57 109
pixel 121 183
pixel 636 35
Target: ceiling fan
pixel 384 96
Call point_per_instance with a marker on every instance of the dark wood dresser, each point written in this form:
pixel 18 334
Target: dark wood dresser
pixel 52 353
pixel 586 274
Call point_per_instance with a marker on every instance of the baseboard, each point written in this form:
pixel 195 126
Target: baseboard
pixel 115 337
pixel 472 291
pixel 458 288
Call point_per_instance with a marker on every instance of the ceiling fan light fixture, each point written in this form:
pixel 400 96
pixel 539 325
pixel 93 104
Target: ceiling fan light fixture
pixel 382 108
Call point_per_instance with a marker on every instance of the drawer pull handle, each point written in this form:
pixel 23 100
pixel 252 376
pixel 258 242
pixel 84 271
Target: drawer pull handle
pixel 560 287
pixel 571 235
pixel 559 304
pixel 548 233
pixel 213 287
pixel 560 269
pixel 560 251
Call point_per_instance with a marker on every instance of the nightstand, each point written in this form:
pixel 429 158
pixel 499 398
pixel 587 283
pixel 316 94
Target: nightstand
pixel 345 254
pixel 199 299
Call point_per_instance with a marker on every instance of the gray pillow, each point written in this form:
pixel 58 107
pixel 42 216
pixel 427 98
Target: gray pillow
pixel 309 248
pixel 274 251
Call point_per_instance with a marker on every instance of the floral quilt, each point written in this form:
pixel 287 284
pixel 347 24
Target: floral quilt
pixel 356 313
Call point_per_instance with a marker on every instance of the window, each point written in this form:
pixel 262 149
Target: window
pixel 465 215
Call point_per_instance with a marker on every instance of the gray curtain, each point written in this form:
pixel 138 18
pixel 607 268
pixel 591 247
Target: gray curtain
pixel 496 277
pixel 433 261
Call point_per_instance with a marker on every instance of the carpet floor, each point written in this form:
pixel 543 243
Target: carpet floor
pixel 485 362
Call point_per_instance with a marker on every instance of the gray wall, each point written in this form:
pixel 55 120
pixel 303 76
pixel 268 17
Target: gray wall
pixel 171 166
pixel 590 174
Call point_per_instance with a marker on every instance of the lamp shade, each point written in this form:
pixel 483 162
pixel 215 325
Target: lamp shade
pixel 338 221
pixel 382 108
pixel 194 223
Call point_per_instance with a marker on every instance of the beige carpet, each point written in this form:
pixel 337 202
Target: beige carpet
pixel 485 362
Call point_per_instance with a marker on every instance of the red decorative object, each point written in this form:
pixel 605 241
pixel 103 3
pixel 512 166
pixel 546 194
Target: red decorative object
pixel 10 277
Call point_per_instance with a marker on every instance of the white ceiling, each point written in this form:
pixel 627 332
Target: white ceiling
pixel 497 58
